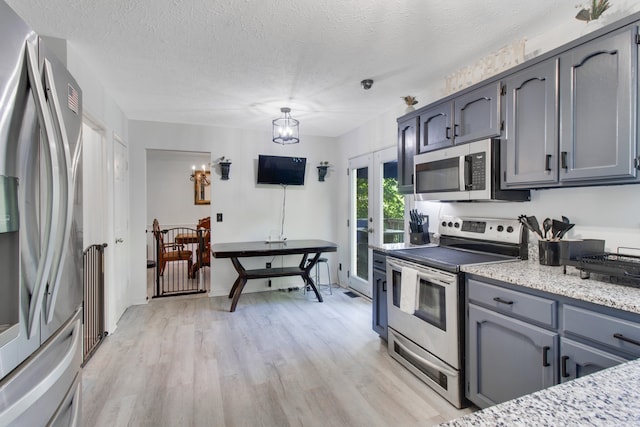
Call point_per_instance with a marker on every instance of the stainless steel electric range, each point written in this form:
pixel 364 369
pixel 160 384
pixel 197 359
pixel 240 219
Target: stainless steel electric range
pixel 425 303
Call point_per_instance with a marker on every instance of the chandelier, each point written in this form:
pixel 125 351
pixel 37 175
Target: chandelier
pixel 285 128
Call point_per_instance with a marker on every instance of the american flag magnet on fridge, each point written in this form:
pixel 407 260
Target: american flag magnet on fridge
pixel 73 100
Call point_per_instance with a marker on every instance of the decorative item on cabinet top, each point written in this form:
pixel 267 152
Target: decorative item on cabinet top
pixel 593 11
pixel 322 170
pixel 410 101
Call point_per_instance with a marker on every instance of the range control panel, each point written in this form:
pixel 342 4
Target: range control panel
pixel 493 229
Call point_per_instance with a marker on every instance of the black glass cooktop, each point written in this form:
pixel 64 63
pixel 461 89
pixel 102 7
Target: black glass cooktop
pixel 445 258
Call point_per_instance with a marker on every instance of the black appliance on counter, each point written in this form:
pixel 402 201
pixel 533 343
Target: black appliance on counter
pixel 425 302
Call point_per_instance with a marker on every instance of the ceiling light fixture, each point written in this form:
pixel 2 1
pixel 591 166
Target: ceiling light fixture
pixel 286 128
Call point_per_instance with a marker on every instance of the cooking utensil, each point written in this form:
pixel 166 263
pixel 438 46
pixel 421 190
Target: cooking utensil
pixel 546 225
pixel 563 232
pixel 560 228
pixel 535 226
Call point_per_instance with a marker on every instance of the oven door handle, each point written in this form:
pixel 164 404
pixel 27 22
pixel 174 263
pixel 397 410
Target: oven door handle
pixel 424 361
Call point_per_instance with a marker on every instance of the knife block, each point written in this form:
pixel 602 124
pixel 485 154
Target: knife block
pixel 419 238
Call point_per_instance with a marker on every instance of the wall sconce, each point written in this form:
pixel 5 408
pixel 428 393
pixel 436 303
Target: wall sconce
pixel 225 165
pixel 200 176
pixel 322 170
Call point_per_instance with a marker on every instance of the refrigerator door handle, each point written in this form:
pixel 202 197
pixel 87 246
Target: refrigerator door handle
pixel 52 188
pixel 65 202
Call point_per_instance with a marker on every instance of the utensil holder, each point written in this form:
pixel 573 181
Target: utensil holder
pixel 419 238
pixel 549 252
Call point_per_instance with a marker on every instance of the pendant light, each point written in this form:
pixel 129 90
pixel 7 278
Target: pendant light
pixel 285 128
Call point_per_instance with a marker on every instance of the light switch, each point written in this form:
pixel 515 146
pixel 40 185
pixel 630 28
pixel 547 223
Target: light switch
pixel 218 217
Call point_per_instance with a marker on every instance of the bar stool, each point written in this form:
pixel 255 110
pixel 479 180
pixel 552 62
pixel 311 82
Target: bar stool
pixel 317 277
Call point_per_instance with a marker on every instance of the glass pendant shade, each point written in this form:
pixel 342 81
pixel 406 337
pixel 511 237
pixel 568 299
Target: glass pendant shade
pixel 286 128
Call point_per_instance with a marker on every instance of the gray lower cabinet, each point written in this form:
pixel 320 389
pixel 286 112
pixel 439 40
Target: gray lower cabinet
pixel 578 360
pixel 379 302
pixel 407 142
pixel 598 86
pixel 531 133
pixel 521 341
pixel 507 357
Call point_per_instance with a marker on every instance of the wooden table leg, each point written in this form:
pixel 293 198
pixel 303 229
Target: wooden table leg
pixel 307 277
pixel 238 285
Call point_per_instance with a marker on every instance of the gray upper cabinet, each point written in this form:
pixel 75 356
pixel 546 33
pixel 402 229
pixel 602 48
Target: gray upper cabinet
pixel 477 114
pixel 435 127
pixel 469 117
pixel 598 88
pixel 407 141
pixel 531 133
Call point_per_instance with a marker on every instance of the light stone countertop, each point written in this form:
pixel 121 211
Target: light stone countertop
pixel 606 398
pixel 532 275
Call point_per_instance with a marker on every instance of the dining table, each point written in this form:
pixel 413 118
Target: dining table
pixel 310 251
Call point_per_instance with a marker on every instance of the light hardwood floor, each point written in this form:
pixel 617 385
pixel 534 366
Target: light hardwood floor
pixel 282 359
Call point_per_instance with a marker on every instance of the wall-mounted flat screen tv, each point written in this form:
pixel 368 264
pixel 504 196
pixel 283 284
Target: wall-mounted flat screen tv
pixel 281 170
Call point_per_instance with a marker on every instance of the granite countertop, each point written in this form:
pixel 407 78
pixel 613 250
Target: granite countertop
pixel 545 278
pixel 606 398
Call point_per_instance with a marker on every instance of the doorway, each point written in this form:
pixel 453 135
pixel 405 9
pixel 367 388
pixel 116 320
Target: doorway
pixel 376 212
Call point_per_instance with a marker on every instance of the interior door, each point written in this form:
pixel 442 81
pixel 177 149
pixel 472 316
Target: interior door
pixel 119 291
pixel 360 223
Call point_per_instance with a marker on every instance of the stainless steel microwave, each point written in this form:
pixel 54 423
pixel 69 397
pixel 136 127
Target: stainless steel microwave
pixel 466 172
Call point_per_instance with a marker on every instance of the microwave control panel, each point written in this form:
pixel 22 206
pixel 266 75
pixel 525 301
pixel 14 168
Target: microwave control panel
pixel 478 171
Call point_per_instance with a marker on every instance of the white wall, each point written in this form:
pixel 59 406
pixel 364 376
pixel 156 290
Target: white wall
pixel 250 211
pixel 104 112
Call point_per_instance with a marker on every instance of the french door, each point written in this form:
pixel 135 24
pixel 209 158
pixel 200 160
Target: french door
pixel 376 212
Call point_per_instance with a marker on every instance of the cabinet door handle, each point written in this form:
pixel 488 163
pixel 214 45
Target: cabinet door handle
pixel 563 160
pixel 455 130
pixel 629 340
pixel 547 163
pixel 564 374
pixel 545 356
pixel 447 132
pixel 384 286
pixel 411 179
pixel 502 301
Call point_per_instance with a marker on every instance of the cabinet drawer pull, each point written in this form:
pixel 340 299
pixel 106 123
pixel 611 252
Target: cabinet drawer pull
pixel 629 340
pixel 564 374
pixel 545 356
pixel 502 301
pixel 547 163
pixel 563 160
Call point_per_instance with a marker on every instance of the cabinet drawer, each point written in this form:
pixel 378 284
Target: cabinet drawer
pixel 529 307
pixel 616 333
pixel 379 261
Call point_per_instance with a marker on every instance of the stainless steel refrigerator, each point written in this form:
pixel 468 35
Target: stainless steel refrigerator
pixel 40 232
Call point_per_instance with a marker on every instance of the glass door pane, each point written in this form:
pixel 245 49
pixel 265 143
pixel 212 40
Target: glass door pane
pixel 392 205
pixel 361 224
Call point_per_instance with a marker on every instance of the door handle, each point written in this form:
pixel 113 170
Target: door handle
pixel 547 163
pixel 119 240
pixel 384 286
pixel 564 373
pixel 545 356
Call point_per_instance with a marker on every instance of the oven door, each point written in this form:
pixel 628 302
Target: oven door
pixel 446 381
pixel 423 305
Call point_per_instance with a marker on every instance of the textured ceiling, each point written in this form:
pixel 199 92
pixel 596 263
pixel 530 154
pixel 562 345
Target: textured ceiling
pixel 234 63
